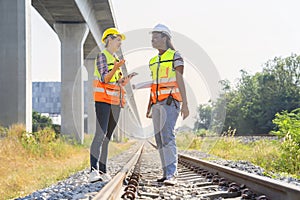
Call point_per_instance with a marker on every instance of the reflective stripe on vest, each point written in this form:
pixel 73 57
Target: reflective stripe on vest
pixel 164 77
pixel 164 80
pixel 109 92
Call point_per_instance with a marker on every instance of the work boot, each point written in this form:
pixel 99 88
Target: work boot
pixel 94 176
pixel 105 176
pixel 161 179
pixel 171 181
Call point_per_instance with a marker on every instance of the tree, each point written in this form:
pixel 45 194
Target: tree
pixel 204 117
pixel 252 105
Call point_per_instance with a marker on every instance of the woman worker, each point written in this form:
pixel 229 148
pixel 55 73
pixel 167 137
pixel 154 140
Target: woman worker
pixel 109 98
pixel 167 93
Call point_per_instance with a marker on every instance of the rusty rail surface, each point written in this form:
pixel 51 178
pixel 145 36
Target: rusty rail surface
pixel 113 188
pixel 265 187
pixel 262 185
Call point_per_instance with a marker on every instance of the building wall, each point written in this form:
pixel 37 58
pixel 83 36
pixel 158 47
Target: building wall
pixel 46 97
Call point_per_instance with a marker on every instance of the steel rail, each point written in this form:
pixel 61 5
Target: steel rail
pixel 262 185
pixel 113 188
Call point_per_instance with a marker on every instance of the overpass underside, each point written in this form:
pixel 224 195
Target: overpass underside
pixel 79 25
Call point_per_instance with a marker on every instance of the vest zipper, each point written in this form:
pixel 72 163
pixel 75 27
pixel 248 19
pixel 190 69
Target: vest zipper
pixel 157 73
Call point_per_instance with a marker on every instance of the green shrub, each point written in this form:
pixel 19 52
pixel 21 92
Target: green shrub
pixel 288 125
pixel 45 135
pixel 40 122
pixel 42 142
pixel 28 139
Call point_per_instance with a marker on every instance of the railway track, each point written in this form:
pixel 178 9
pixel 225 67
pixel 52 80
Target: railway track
pixel 197 179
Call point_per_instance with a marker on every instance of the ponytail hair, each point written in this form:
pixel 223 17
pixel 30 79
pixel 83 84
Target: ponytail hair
pixel 169 44
pixel 106 39
pixel 168 41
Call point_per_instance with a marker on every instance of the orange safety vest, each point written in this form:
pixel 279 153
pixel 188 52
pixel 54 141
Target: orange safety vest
pixel 164 77
pixel 110 92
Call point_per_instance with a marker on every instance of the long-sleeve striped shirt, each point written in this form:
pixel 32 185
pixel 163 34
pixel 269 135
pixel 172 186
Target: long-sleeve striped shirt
pixel 102 65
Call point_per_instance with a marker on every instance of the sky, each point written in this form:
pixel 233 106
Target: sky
pixel 234 35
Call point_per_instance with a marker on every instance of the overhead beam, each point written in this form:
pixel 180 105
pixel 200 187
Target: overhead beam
pixel 88 13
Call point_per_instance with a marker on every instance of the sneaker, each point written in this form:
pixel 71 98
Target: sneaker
pixel 171 181
pixel 161 179
pixel 105 176
pixel 95 176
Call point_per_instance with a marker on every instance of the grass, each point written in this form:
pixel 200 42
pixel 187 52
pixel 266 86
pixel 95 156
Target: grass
pixel 187 141
pixel 263 153
pixel 26 168
pixel 190 141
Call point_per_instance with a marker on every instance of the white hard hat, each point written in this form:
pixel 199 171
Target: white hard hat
pixel 163 29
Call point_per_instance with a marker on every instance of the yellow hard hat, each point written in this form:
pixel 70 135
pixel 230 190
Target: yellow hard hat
pixel 112 31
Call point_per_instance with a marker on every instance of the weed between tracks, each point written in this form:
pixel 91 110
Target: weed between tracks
pixel 30 163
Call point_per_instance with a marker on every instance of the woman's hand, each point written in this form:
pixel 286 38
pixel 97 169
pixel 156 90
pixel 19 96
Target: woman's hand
pixel 184 111
pixel 117 65
pixel 110 74
pixel 124 80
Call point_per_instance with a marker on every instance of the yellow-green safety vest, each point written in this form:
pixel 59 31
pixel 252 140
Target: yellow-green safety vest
pixel 164 77
pixel 110 92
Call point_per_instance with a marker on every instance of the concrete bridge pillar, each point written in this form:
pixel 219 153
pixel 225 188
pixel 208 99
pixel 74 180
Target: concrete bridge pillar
pixel 72 37
pixel 91 121
pixel 15 63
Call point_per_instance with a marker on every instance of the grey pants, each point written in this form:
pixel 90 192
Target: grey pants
pixel 164 118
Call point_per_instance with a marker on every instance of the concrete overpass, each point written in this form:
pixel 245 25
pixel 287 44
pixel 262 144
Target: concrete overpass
pixel 79 25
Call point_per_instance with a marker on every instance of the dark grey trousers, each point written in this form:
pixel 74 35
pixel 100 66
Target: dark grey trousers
pixel 107 118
